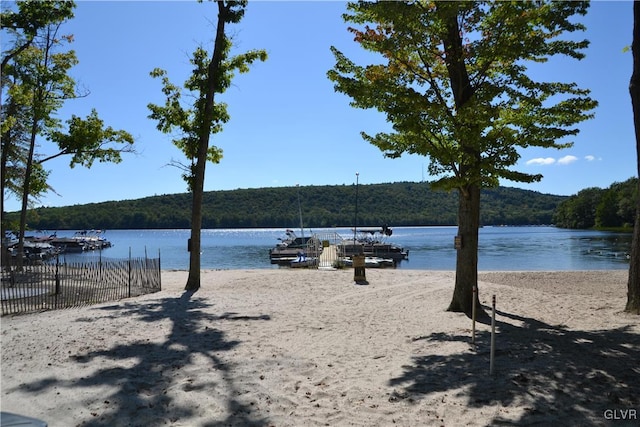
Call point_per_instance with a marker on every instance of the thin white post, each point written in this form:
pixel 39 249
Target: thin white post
pixel 473 315
pixel 493 335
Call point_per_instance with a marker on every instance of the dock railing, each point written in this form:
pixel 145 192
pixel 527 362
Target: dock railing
pixel 56 285
pixel 329 257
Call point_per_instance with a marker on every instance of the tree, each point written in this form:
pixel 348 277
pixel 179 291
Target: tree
pixel 617 204
pixel 29 20
pixel 22 27
pixel 36 75
pixel 196 123
pixel 633 283
pixel 453 83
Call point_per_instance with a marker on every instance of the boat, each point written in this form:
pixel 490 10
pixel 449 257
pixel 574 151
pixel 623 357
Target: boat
pixel 10 238
pixel 371 243
pixel 34 248
pixel 82 241
pixel 69 244
pixel 303 261
pixel 290 247
pixel 34 251
pixel 371 262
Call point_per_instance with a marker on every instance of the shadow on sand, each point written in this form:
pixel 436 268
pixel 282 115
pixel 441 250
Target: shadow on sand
pixel 561 376
pixel 141 374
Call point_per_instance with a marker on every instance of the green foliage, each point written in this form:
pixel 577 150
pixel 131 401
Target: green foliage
pixel 194 123
pixel 32 16
pixel 453 82
pixel 614 207
pixel 396 204
pixel 35 84
pixel 87 140
pixel 15 144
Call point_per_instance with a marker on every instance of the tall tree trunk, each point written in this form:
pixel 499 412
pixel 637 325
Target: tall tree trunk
pixel 469 194
pixel 4 159
pixel 195 247
pixel 467 252
pixel 25 189
pixel 193 281
pixel 633 284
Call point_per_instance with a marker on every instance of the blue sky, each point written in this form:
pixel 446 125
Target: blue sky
pixel 287 125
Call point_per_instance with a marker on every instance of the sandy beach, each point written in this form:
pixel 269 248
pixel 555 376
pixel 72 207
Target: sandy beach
pixel 311 348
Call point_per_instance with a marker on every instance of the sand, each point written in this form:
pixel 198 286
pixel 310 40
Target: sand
pixel 311 348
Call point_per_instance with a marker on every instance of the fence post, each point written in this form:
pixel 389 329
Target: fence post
pixel 159 272
pixel 129 271
pixel 145 276
pixel 57 279
pixel 82 284
pixel 100 265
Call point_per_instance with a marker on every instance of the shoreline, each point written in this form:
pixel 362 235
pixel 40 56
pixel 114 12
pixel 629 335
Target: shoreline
pixel 305 347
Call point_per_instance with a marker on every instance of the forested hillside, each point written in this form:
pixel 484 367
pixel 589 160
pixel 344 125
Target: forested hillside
pixel 395 204
pixel 612 207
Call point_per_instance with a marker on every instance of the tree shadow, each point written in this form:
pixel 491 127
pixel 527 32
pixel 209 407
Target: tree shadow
pixel 141 374
pixel 559 376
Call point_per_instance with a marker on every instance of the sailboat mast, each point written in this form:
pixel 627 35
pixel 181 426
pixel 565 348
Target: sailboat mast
pixel 300 212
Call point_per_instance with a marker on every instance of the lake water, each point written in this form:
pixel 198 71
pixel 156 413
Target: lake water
pixel 430 248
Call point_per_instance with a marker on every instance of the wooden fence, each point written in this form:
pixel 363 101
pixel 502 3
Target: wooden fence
pixel 63 285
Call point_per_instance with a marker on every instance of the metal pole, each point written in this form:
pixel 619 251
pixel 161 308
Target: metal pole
pixel 359 275
pixel 300 212
pixel 355 220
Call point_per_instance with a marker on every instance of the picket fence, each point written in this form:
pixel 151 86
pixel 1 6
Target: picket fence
pixel 59 285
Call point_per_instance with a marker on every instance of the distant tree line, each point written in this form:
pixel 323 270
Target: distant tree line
pixel 395 204
pixel 613 207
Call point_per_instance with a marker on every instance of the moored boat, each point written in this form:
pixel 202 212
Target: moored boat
pixel 372 262
pixel 82 241
pixel 34 251
pixel 304 261
pixel 371 243
pixel 289 248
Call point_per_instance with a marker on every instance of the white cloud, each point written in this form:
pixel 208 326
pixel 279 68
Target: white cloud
pixel 567 160
pixel 541 161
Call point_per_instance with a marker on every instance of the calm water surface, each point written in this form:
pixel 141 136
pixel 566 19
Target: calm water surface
pixel 430 248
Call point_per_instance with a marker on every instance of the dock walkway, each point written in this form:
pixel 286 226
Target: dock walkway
pixel 328 257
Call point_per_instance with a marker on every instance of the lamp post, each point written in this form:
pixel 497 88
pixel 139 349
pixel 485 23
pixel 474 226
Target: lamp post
pixel 359 275
pixel 355 220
